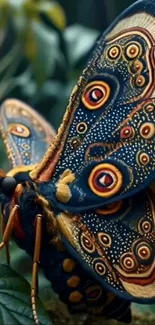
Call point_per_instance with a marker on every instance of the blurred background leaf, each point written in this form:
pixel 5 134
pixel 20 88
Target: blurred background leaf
pixel 44 45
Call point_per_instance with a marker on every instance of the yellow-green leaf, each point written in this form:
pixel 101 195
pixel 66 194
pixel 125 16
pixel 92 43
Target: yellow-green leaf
pixel 54 12
pixel 57 16
pixel 4 10
pixel 4 3
pixel 31 48
pixel 30 8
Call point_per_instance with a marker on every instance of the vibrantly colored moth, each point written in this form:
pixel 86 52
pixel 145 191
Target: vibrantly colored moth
pixel 87 210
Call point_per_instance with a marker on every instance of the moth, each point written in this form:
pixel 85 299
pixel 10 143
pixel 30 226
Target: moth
pixel 86 208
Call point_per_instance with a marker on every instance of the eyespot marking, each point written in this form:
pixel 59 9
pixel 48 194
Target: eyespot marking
pixel 19 130
pixel 104 239
pixel 143 252
pixel 140 81
pixel 147 130
pixel 105 180
pixel 114 52
pixel 100 267
pixel 145 226
pixel 96 95
pixel 149 108
pixel 82 127
pixel 142 158
pixel 75 143
pixel 128 262
pixel 127 132
pixel 87 244
pixel 132 50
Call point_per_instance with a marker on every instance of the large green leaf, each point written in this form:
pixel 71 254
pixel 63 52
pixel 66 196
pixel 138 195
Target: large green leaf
pixel 54 12
pixel 79 40
pixel 15 303
pixel 46 50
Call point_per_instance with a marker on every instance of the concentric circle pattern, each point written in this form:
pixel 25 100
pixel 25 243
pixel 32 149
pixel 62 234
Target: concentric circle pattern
pixel 96 95
pixel 105 180
pixel 19 129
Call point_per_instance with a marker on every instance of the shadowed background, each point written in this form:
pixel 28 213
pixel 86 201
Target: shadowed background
pixel 44 46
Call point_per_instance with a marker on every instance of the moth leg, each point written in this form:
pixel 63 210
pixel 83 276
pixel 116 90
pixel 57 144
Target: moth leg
pixel 9 228
pixel 36 259
pixel 7 245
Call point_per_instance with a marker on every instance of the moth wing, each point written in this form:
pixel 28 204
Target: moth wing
pixel 114 163
pixel 107 137
pixel 25 133
pixel 116 245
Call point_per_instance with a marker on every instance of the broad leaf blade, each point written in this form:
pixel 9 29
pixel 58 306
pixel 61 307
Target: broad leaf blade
pixel 15 303
pixel 54 12
pixel 77 46
pixel 43 49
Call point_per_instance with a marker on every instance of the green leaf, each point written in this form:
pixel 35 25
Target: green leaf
pixel 78 47
pixel 31 46
pixel 4 10
pixel 3 158
pixel 4 4
pixel 26 84
pixel 16 3
pixel 9 58
pixel 2 34
pixel 45 51
pixel 54 12
pixel 15 301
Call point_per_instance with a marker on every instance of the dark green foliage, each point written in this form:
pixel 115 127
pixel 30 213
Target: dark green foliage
pixel 42 54
pixel 15 301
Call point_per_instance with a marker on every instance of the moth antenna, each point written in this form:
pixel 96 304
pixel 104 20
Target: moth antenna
pixel 2 173
pixel 36 260
pixel 9 227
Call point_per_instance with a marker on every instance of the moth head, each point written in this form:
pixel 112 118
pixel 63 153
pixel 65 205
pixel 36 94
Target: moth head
pixel 7 185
